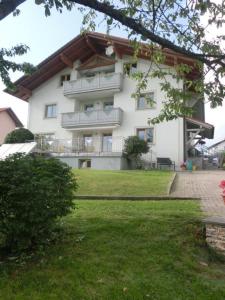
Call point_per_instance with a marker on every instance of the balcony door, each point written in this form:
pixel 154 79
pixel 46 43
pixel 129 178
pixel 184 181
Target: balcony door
pixel 88 143
pixel 107 142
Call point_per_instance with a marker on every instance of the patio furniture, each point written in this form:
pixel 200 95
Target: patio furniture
pixel 165 161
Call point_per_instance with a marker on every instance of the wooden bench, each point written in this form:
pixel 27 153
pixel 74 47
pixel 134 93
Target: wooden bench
pixel 165 161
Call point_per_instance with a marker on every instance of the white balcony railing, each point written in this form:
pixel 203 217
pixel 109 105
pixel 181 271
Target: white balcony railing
pixel 99 82
pixel 80 145
pixel 96 117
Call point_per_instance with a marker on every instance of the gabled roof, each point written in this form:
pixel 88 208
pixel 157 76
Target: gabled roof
pixel 96 61
pixel 216 144
pixel 13 116
pixel 83 47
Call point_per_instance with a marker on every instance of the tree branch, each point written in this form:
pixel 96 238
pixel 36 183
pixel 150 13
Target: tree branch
pixel 117 15
pixel 8 6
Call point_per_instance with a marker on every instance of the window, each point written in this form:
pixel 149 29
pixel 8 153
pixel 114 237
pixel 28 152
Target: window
pixel 146 101
pixel 88 143
pixel 145 134
pixel 63 78
pixel 108 105
pixel 50 111
pixel 107 142
pixel 129 68
pixel 88 107
pixel 84 163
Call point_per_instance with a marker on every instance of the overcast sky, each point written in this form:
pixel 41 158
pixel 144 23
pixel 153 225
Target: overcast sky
pixel 44 36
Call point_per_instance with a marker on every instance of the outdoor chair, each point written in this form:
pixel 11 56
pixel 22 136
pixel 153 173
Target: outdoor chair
pixel 165 161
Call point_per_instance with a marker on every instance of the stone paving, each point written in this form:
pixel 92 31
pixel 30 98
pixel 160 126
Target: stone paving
pixel 204 185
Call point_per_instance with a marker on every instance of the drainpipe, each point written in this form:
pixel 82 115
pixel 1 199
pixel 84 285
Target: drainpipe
pixel 185 138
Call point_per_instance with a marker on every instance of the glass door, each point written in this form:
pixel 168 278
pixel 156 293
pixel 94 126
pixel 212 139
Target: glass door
pixel 107 142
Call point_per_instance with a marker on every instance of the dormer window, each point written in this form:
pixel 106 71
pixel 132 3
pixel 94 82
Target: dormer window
pixel 65 77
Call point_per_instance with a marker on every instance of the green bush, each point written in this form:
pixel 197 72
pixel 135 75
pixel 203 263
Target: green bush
pixel 134 147
pixel 20 135
pixel 34 193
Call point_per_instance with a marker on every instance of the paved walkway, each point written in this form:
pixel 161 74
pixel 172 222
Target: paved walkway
pixel 202 184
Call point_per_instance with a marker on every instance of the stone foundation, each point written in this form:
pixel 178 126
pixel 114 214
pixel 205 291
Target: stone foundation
pixel 215 233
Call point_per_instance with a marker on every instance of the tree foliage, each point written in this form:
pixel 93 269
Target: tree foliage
pixel 178 25
pixel 6 63
pixel 34 193
pixel 20 135
pixel 134 147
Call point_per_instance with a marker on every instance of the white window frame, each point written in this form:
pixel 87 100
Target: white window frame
pixel 146 104
pixel 46 110
pixel 145 129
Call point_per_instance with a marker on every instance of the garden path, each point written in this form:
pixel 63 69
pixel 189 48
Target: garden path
pixel 204 185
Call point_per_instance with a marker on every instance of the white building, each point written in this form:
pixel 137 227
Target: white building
pixel 217 148
pixel 80 105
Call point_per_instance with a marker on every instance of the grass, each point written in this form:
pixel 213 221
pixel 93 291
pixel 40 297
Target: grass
pixel 122 250
pixel 122 183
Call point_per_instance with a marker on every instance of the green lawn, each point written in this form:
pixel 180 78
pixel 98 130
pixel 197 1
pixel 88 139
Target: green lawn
pixel 122 183
pixel 122 250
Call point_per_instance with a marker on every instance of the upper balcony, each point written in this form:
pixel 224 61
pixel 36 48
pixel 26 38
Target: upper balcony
pixel 106 84
pixel 108 117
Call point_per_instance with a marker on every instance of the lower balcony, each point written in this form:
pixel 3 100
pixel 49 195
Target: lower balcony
pixel 108 117
pixel 83 146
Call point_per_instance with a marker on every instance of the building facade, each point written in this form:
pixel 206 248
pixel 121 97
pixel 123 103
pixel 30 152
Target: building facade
pixel 81 107
pixel 217 148
pixel 8 122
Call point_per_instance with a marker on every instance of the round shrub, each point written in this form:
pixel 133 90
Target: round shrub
pixel 20 135
pixel 34 193
pixel 134 147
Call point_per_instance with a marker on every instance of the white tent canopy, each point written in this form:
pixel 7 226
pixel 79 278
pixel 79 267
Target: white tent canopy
pixel 9 149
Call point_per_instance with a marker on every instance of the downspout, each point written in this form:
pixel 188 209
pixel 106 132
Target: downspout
pixel 185 139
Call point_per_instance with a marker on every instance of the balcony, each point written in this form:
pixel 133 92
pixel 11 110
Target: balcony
pixel 108 117
pixel 107 83
pixel 82 146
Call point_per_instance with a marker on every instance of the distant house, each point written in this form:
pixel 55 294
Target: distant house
pixel 8 122
pixel 217 147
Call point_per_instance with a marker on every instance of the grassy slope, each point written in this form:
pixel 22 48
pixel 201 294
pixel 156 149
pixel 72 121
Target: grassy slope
pixel 123 183
pixel 122 250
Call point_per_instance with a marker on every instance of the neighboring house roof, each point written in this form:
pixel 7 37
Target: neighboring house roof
pixel 83 47
pixel 9 149
pixel 208 128
pixel 216 144
pixel 13 116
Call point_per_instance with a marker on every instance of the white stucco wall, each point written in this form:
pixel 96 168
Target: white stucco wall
pixel 49 92
pixel 168 136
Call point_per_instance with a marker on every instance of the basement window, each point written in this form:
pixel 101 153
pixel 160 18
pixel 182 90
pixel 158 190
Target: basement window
pixel 84 163
pixel 65 77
